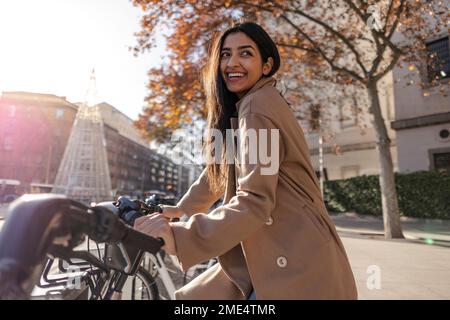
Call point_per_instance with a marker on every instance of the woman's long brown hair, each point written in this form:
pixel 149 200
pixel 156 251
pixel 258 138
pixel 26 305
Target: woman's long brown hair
pixel 221 103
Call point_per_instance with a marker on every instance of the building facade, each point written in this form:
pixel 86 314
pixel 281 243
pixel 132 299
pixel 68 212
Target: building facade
pixel 351 151
pixel 34 131
pixel 422 115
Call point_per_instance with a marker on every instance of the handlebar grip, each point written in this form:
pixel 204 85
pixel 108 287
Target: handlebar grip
pixel 143 241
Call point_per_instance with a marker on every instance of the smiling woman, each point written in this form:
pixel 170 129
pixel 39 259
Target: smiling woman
pixel 273 236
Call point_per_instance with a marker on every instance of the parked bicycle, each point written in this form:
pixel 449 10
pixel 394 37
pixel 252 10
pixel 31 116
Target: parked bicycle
pixel 40 228
pixel 157 265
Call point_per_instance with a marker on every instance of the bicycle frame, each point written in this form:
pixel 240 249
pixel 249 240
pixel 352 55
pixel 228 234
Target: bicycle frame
pixel 163 272
pixel 60 225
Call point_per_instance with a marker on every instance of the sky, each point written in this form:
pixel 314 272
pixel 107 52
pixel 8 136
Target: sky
pixel 51 46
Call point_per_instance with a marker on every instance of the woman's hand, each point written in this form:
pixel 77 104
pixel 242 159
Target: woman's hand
pixel 156 225
pixel 172 211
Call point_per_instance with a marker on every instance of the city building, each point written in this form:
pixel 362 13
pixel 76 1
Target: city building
pixel 34 130
pixel 351 151
pixel 349 139
pixel 422 114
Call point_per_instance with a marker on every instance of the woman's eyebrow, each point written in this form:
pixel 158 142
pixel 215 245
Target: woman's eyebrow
pixel 246 47
pixel 239 48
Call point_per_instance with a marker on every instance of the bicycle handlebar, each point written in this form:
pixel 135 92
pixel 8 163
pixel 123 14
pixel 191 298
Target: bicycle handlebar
pixel 35 223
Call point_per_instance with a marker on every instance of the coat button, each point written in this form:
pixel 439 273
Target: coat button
pixel 270 221
pixel 282 262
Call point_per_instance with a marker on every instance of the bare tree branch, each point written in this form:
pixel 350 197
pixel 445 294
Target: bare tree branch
pixel 330 29
pixel 377 35
pixel 353 6
pixel 388 68
pixel 397 19
pixel 391 5
pixel 294 46
pixel 320 51
pixel 387 41
pixel 364 18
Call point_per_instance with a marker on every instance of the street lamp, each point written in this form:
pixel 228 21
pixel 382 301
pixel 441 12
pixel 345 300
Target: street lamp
pixel 316 125
pixel 320 155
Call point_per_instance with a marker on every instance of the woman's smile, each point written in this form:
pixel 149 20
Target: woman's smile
pixel 234 77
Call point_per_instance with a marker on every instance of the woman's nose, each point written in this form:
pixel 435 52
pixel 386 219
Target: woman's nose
pixel 233 61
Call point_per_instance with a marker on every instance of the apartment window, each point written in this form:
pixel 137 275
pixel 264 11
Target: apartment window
pixel 349 114
pixel 7 143
pixel 12 111
pixel 347 119
pixel 439 158
pixel 59 113
pixel 444 134
pixel 313 119
pixel 438 62
pixel 442 160
pixel 39 159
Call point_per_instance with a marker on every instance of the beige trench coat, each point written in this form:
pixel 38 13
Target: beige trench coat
pixel 272 232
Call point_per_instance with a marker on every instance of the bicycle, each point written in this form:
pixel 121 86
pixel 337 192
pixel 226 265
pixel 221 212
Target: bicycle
pixel 157 265
pixel 41 226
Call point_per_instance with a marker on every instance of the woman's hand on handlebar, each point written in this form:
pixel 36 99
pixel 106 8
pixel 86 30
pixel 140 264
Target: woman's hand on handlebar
pixel 172 211
pixel 157 226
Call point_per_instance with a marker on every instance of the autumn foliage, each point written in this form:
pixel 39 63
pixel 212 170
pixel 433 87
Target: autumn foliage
pixel 331 50
pixel 340 42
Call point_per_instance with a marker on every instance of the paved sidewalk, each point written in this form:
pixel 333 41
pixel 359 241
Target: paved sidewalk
pixel 430 231
pixel 417 267
pixel 406 270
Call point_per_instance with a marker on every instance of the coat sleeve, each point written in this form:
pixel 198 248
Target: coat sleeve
pixel 209 235
pixel 199 197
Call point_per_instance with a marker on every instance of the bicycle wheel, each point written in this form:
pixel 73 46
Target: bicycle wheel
pixel 142 286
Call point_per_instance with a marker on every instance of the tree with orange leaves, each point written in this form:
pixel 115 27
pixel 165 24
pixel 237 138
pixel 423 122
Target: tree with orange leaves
pixel 345 42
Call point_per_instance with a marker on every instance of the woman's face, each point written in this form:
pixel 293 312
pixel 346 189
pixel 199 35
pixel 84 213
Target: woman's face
pixel 241 63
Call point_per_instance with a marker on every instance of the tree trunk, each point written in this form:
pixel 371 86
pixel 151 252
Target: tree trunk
pixel 391 214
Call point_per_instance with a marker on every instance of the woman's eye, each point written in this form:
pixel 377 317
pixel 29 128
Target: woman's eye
pixel 224 54
pixel 246 53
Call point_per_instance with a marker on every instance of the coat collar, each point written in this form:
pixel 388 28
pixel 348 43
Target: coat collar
pixel 258 85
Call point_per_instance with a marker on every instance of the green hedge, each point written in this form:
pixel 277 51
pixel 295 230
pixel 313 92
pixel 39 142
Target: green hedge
pixel 424 194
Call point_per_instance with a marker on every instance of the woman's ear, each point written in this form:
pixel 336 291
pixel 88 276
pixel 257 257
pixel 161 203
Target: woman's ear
pixel 267 67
